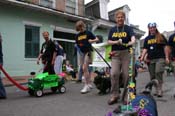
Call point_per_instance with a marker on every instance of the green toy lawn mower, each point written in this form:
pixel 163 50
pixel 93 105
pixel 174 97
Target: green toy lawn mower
pixel 43 81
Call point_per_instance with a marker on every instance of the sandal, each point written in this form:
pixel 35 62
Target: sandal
pixel 112 101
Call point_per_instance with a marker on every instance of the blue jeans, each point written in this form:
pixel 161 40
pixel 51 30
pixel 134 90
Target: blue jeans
pixel 2 89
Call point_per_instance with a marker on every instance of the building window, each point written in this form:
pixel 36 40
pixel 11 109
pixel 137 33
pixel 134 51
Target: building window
pixel 32 35
pixel 48 3
pixel 71 6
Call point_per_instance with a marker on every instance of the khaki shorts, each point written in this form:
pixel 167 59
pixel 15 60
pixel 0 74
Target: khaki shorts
pixel 86 58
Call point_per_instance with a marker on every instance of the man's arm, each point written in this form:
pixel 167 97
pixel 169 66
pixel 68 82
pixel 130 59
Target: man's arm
pixel 54 57
pixel 40 54
pixel 167 51
pixel 133 40
pixel 143 54
pixel 117 42
pixel 93 40
pixel 39 57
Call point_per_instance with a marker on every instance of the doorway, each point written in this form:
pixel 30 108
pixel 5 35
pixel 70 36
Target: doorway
pixel 67 41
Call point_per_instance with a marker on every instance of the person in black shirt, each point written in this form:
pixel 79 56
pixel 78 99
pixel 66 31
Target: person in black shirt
pixel 47 54
pixel 83 40
pixel 155 46
pixel 171 44
pixel 121 37
pixel 2 89
pixel 59 58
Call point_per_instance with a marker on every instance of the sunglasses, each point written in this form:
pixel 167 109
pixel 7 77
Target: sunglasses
pixel 152 25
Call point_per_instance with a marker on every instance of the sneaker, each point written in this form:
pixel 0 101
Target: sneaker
pixel 85 89
pixel 90 86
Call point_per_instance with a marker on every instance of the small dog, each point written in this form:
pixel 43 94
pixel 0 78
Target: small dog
pixel 102 83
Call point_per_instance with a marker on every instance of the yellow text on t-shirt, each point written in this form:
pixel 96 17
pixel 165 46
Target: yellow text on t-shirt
pixel 119 34
pixel 151 41
pixel 82 37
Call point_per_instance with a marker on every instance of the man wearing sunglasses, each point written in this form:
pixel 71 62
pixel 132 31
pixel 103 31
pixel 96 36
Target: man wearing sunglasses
pixel 155 45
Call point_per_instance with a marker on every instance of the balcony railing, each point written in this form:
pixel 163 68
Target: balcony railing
pixel 71 6
pixel 45 3
pixel 28 1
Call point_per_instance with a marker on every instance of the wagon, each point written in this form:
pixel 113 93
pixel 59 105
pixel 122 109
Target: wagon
pixel 40 82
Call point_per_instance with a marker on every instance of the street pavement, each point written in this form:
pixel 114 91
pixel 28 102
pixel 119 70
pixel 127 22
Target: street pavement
pixel 73 103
